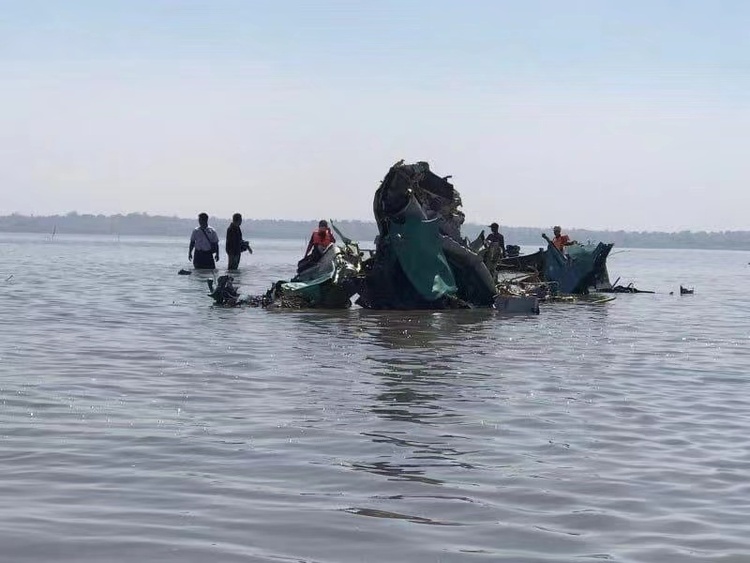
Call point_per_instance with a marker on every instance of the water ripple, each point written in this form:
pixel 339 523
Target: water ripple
pixel 139 422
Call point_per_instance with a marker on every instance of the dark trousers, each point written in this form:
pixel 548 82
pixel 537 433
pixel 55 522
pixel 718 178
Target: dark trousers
pixel 203 260
pixel 234 261
pixel 310 260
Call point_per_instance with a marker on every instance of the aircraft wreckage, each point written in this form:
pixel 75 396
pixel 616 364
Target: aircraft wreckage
pixel 421 261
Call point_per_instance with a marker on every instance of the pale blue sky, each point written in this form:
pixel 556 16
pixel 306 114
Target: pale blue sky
pixel 622 115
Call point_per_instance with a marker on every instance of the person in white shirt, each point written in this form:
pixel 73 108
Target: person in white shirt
pixel 205 242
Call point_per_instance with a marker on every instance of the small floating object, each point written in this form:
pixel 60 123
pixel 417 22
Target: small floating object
pixel 184 273
pixel 606 299
pixel 513 304
pixel 686 290
pixel 10 277
pixel 630 288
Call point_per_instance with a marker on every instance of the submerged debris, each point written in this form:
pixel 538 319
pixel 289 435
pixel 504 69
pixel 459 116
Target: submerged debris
pixel 630 288
pixel 225 293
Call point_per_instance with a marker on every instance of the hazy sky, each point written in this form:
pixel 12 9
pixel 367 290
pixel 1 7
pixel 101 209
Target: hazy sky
pixel 601 114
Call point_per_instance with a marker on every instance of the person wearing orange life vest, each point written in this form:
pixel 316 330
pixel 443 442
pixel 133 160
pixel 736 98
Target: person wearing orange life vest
pixel 561 241
pixel 320 239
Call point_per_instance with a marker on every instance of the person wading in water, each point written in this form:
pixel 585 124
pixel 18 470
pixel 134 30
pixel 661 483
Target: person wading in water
pixel 234 244
pixel 205 241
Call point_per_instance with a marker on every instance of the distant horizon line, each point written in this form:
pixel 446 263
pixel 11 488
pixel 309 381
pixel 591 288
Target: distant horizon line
pixel 71 214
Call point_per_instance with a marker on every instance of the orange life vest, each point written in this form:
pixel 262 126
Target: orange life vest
pixel 560 242
pixel 322 238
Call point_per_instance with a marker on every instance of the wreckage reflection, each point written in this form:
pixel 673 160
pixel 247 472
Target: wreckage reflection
pixel 418 366
pixel 431 330
pixel 418 362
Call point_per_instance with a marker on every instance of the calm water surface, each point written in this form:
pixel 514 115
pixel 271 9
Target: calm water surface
pixel 138 423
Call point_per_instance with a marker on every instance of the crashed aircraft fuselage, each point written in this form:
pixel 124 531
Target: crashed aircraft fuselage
pixel 420 261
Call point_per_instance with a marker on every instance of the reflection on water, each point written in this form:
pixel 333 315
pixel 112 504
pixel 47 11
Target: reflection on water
pixel 416 359
pixel 423 329
pixel 408 472
pixel 374 513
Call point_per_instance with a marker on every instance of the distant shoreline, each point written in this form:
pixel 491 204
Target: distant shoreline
pixel 142 224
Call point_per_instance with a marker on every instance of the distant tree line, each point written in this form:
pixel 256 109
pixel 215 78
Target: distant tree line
pixel 144 224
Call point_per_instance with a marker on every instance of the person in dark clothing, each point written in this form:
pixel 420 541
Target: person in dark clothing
pixel 494 249
pixel 234 244
pixel 496 237
pixel 205 241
